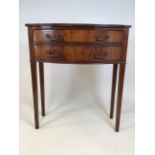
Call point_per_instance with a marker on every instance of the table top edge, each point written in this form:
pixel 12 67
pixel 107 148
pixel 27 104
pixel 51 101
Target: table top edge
pixel 77 25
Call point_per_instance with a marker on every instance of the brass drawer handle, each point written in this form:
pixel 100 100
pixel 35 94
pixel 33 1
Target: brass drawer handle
pixel 54 54
pixel 96 37
pixel 51 38
pixel 105 54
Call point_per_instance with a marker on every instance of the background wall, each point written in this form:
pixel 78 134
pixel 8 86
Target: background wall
pixel 67 83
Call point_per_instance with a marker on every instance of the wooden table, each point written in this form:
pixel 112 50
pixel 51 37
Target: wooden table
pixel 78 44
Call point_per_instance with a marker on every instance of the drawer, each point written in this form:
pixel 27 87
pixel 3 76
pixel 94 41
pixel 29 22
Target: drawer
pixel 78 35
pixel 78 53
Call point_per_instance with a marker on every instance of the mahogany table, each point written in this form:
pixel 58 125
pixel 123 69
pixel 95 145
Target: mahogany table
pixel 78 44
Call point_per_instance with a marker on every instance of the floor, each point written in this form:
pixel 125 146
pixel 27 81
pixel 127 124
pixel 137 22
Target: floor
pixel 78 125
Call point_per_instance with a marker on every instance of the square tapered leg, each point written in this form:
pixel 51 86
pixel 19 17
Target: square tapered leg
pixel 35 93
pixel 41 74
pixel 119 97
pixel 114 79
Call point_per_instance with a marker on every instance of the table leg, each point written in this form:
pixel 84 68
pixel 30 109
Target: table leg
pixel 41 73
pixel 119 98
pixel 114 79
pixel 35 93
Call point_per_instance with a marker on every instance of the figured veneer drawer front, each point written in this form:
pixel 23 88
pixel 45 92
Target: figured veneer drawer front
pixel 48 35
pixel 77 54
pixel 78 35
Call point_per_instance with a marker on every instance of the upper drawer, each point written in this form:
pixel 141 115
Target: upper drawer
pixel 78 35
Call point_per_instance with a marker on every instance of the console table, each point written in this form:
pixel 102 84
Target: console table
pixel 78 44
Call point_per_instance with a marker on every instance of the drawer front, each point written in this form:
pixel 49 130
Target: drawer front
pixel 78 35
pixel 48 35
pixel 77 54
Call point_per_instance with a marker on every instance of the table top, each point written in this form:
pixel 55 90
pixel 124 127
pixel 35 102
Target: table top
pixel 78 25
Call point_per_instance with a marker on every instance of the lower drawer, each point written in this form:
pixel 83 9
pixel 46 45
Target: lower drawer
pixel 77 53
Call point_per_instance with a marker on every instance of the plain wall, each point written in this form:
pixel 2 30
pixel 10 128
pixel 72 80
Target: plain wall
pixel 76 81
